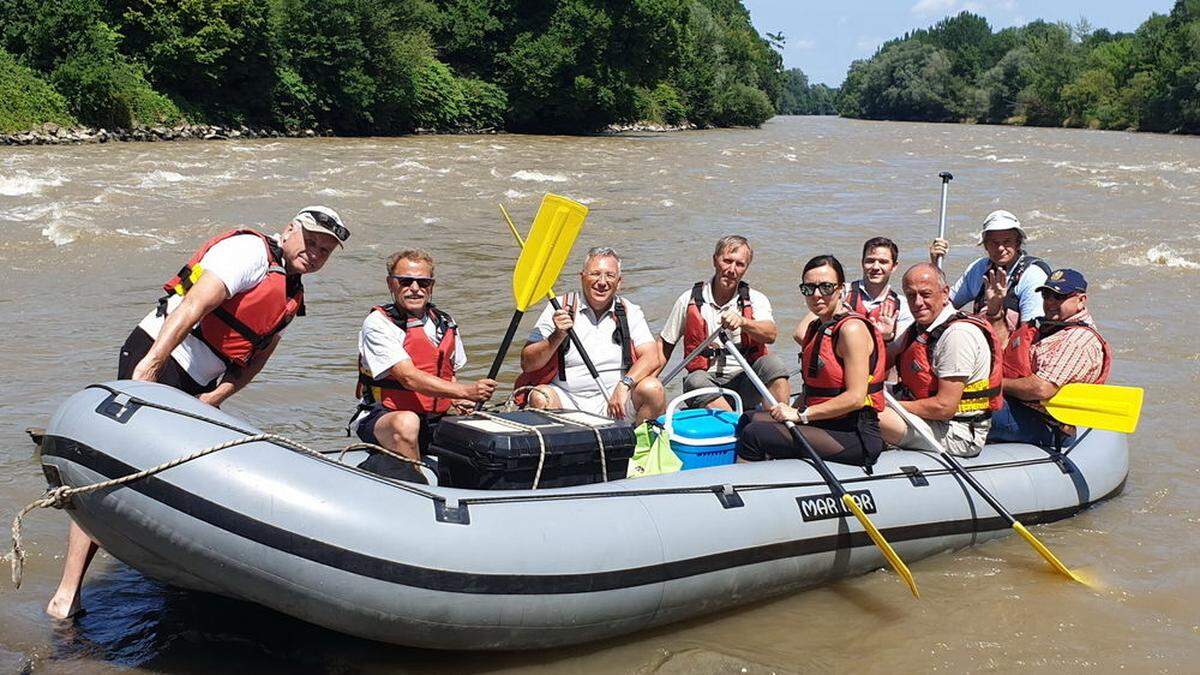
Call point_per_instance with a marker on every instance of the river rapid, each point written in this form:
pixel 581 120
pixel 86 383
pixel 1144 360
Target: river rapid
pixel 90 232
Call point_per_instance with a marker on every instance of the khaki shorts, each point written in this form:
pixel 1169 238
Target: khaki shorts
pixel 590 402
pixel 959 438
pixel 769 368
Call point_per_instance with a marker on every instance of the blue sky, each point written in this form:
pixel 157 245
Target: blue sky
pixel 824 36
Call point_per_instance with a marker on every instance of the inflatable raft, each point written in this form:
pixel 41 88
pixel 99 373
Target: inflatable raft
pixel 446 568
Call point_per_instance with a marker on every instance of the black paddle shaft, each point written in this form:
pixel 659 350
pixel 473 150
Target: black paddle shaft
pixel 587 360
pixel 818 462
pixel 508 338
pixel 987 496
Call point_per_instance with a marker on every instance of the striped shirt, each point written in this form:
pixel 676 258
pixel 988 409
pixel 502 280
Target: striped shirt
pixel 1069 355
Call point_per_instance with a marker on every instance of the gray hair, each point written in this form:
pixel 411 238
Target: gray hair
pixel 732 241
pixel 602 252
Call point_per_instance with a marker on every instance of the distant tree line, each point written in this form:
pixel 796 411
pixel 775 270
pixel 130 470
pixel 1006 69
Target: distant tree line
pixel 798 97
pixel 1037 74
pixel 384 66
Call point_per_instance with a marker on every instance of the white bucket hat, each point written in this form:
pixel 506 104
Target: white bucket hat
pixel 1001 220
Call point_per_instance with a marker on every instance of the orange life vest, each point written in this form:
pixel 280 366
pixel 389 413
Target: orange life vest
pixel 823 370
pixel 857 302
pixel 695 330
pixel 1018 355
pixel 434 359
pixel 246 322
pixel 556 366
pixel 915 367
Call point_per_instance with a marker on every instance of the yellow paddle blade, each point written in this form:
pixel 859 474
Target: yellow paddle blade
pixel 512 227
pixel 888 552
pixel 547 247
pixel 1099 406
pixel 1045 553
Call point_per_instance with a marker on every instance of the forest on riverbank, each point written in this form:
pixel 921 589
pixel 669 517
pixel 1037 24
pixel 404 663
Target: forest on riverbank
pixel 1040 74
pixel 384 67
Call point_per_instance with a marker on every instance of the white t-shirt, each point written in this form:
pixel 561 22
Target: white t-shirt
pixel 722 366
pixel 596 334
pixel 381 344
pixel 241 263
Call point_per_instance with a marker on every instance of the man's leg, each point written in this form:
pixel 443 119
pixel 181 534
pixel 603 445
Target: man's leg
pixel 80 550
pixel 543 396
pixel 400 431
pixel 698 379
pixel 649 399
pixel 1017 423
pixel 771 370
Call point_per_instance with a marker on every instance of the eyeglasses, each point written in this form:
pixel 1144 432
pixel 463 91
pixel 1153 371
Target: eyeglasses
pixel 325 221
pixel 406 281
pixel 606 276
pixel 827 288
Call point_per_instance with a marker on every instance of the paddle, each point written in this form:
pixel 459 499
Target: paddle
pixel 834 484
pixel 587 360
pixel 946 178
pixel 987 496
pixel 1098 406
pixel 554 230
pixel 693 354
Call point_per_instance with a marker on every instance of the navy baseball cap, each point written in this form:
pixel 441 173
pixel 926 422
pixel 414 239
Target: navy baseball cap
pixel 1065 282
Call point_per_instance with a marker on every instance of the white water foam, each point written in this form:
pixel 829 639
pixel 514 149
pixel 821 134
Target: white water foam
pixel 22 183
pixel 515 194
pixel 388 202
pixel 429 220
pixel 58 233
pixel 539 177
pixel 159 178
pixel 1165 256
pixel 1047 216
pixel 667 203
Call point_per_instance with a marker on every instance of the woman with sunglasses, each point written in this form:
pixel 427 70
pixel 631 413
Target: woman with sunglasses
pixel 843 363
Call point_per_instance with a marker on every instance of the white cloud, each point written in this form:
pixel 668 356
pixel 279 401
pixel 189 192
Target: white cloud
pixel 933 6
pixel 867 44
pixel 804 44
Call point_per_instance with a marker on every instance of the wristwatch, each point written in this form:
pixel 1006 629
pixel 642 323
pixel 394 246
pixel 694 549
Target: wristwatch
pixel 804 416
pixel 628 382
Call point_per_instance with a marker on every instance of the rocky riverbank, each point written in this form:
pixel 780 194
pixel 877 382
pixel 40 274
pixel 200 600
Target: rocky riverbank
pixel 53 134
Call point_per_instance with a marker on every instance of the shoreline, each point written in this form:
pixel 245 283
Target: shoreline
pixel 54 134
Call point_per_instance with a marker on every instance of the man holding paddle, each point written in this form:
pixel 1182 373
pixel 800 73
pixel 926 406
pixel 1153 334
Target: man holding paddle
pixel 1043 355
pixel 614 333
pixel 409 352
pixel 725 301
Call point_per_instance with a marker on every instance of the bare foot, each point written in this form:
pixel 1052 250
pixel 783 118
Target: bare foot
pixel 63 605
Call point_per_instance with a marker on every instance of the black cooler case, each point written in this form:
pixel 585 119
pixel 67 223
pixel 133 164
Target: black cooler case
pixel 480 453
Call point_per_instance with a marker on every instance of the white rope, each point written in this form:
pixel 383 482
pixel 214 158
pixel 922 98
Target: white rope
pixel 537 476
pixel 596 430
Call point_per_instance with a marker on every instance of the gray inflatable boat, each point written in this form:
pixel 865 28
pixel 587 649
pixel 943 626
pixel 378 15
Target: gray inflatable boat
pixel 446 568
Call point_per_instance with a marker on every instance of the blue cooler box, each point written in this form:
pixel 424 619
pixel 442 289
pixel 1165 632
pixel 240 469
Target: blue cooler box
pixel 702 437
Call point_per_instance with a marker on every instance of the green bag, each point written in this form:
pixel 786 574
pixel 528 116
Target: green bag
pixel 652 455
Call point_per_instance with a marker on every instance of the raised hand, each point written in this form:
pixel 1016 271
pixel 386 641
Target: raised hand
pixel 885 323
pixel 995 287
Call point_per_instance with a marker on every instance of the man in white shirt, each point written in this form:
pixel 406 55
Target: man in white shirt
pixel 409 353
pixel 1006 267
pixel 725 301
pixel 950 371
pixel 615 335
pixel 212 333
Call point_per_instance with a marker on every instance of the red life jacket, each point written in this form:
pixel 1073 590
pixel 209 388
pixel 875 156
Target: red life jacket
pixel 695 330
pixel 556 366
pixel 1018 355
pixel 915 367
pixel 246 322
pixel 434 359
pixel 823 370
pixel 857 302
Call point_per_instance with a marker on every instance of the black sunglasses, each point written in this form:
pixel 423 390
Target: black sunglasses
pixel 1059 296
pixel 330 224
pixel 406 281
pixel 827 288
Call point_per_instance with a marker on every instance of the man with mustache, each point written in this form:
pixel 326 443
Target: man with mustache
pixel 614 332
pixel 725 301
pixel 220 320
pixel 409 353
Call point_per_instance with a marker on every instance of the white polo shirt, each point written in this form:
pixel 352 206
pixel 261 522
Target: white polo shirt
pixel 722 366
pixel 596 334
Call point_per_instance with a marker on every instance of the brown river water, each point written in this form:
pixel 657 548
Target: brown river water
pixel 89 233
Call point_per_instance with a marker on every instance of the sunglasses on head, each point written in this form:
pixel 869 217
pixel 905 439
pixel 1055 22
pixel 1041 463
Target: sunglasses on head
pixel 406 281
pixel 826 288
pixel 330 224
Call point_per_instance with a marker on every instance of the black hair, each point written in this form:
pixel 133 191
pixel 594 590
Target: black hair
pixel 881 242
pixel 822 261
